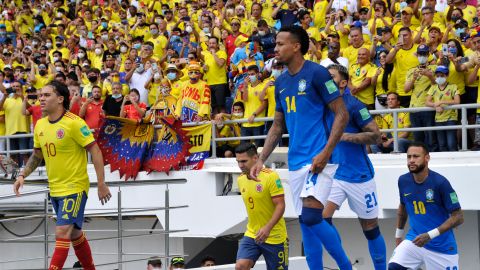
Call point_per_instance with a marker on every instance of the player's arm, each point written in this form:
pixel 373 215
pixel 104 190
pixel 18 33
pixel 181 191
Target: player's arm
pixel 370 135
pixel 32 163
pixel 273 138
pixel 103 191
pixel 264 232
pixel 402 217
pixel 340 121
pixel 455 219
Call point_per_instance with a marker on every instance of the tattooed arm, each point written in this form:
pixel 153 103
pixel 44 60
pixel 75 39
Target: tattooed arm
pixel 370 135
pixel 32 163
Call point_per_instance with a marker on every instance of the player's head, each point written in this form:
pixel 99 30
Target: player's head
pixel 154 264
pixel 340 75
pixel 417 157
pixel 292 41
pixel 238 110
pixel 247 156
pixel 208 261
pixel 54 96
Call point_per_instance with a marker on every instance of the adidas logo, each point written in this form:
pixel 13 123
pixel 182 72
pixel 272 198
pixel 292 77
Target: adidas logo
pixel 65 216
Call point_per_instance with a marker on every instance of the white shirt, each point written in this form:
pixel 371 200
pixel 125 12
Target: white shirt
pixel 327 62
pixel 138 82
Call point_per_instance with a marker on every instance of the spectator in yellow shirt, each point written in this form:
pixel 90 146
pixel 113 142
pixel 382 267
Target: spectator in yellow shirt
pixel 360 83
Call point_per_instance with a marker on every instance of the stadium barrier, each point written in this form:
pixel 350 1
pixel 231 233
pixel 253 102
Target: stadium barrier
pixel 119 212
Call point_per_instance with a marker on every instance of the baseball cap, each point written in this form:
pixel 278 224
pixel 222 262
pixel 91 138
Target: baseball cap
pixel 177 260
pixel 434 28
pixel 423 49
pixel 194 66
pixel 240 39
pixel 408 10
pixel 363 9
pixel 442 69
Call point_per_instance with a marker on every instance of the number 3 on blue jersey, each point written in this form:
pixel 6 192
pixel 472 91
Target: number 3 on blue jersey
pixel 369 199
pixel 291 107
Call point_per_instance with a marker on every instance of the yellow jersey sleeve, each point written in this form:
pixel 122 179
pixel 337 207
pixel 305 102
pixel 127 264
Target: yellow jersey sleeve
pixel 81 133
pixel 275 186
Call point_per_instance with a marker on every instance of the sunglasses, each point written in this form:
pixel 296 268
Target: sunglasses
pixel 194 72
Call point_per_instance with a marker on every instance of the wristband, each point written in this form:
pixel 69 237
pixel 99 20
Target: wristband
pixel 399 233
pixel 433 233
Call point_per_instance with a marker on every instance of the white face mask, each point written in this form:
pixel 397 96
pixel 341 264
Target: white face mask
pixel 58 69
pixel 441 80
pixel 105 37
pixel 157 76
pixel 59 14
pixel 237 115
pixel 98 51
pixel 81 55
pixel 262 33
pixel 422 59
pixel 123 49
pixel 55 59
pixel 189 29
pixel 48 45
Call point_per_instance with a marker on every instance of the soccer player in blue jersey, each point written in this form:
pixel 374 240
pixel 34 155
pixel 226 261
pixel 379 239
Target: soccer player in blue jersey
pixel 354 178
pixel 304 96
pixel 434 210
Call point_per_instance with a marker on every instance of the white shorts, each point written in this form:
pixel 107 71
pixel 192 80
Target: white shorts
pixel 408 255
pixel 302 185
pixel 362 197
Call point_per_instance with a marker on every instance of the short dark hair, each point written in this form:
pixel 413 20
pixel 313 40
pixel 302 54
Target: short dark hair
pixel 155 262
pixel 394 93
pixel 240 104
pixel 300 35
pixel 405 28
pixel 208 258
pixel 61 90
pixel 342 71
pixel 135 90
pixel 247 147
pixel 262 23
pixel 419 144
pixel 253 67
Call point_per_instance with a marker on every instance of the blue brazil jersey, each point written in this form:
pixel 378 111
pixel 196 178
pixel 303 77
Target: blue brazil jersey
pixel 303 99
pixel 354 166
pixel 428 205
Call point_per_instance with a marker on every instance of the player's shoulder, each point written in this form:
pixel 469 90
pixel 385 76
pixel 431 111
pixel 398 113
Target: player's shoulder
pixel 69 116
pixel 404 179
pixel 267 172
pixel 437 178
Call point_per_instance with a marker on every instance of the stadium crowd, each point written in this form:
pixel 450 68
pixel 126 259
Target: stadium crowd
pixel 216 58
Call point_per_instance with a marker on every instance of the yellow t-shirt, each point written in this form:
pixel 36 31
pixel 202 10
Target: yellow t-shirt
pixel 41 81
pixel 420 87
pixel 457 78
pixel 252 104
pixel 404 61
pixel 357 75
pixel 63 146
pixel 257 197
pixel 448 93
pixel 176 90
pixel 2 123
pixel 319 13
pixel 160 43
pixel 403 122
pixel 379 86
pixel 215 74
pixel 351 53
pixel 314 33
pixel 469 13
pixel 194 100
pixel 270 96
pixel 153 92
pixel 15 121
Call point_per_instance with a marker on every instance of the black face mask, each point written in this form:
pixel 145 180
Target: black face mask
pixel 92 79
pixel 59 44
pixel 42 72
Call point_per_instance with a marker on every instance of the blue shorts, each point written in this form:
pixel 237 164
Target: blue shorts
pixel 69 209
pixel 276 255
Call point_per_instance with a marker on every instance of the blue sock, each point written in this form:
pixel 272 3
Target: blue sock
pixel 312 217
pixel 312 247
pixel 329 220
pixel 377 248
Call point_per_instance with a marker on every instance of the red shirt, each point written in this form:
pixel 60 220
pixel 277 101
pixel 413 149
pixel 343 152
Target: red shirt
pixel 94 115
pixel 36 113
pixel 230 45
pixel 131 113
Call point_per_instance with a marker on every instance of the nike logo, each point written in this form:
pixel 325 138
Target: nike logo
pixel 406 194
pixel 281 91
pixel 368 211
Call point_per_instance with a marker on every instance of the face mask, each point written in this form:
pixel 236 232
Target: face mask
pixel 92 79
pixel 123 49
pixel 237 115
pixel 459 31
pixel 455 18
pixel 175 38
pixel 34 43
pixel 452 50
pixel 48 45
pixel 11 95
pixel 58 44
pixel 104 25
pixel 139 69
pixel 59 14
pixel 171 76
pixel 253 78
pixel 276 73
pixel 137 46
pixel 154 32
pixel 55 59
pixel 157 76
pixel 441 80
pixel 42 72
pixel 206 30
pixel 116 96
pixel 58 69
pixel 105 37
pixel 188 29
pixel 157 21
pixel 98 51
pixel 262 33
pixel 81 55
pixel 403 5
pixel 422 59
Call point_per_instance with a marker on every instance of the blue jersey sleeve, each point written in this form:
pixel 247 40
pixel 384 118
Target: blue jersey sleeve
pixel 449 197
pixel 400 190
pixel 278 102
pixel 324 85
pixel 360 114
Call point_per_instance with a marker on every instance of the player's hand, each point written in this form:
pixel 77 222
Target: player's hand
pixel 104 194
pixel 319 162
pixel 262 235
pixel 398 241
pixel 18 185
pixel 421 239
pixel 255 170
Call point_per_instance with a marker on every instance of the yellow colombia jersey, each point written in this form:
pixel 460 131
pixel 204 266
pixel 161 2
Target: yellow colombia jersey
pixel 257 197
pixel 446 94
pixel 63 145
pixel 420 87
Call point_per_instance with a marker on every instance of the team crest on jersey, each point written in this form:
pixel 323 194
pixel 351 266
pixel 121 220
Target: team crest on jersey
pixel 259 187
pixel 429 195
pixel 302 86
pixel 110 129
pixel 60 133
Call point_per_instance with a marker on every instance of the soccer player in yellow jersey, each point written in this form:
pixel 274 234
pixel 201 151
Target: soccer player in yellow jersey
pixel 265 204
pixel 62 139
